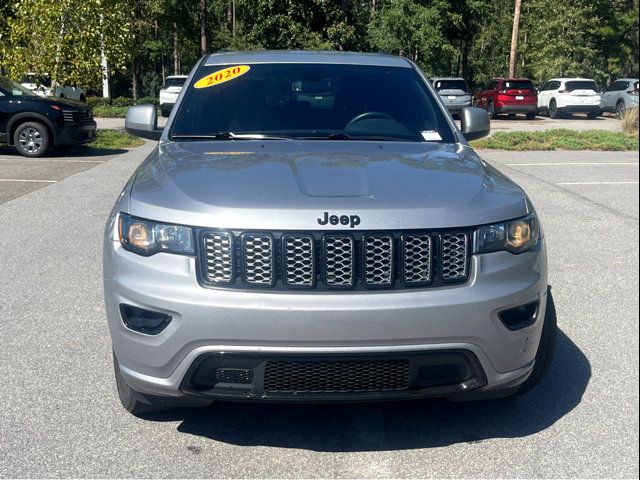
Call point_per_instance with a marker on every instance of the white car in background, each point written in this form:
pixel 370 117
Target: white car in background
pixel 169 93
pixel 41 85
pixel 561 96
pixel 620 95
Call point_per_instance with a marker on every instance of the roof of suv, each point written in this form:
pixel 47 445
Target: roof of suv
pixel 282 56
pixel 513 79
pixel 436 79
pixel 176 76
pixel 570 79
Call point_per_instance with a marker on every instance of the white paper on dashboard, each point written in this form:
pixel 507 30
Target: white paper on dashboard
pixel 431 136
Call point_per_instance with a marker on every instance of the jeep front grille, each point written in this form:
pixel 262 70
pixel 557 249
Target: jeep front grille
pixel 416 259
pixel 377 260
pixel 333 261
pixel 339 261
pixel 258 259
pixel 218 254
pixel 454 251
pixel 299 263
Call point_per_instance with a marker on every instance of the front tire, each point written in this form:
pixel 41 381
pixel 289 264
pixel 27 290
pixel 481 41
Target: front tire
pixel 620 109
pixel 531 115
pixel 546 348
pixel 31 139
pixel 165 113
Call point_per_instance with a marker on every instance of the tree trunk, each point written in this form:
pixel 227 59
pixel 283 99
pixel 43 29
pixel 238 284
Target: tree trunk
pixel 176 56
pixel 465 60
pixel 374 4
pixel 231 16
pixel 514 39
pixel 134 79
pixel 204 47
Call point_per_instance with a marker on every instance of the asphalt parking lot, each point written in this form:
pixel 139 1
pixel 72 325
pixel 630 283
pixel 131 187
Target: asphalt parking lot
pixel 60 416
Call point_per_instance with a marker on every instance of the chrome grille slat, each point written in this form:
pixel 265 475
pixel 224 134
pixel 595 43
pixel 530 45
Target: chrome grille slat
pixel 77 116
pixel 378 260
pixel 334 261
pixel 218 250
pixel 339 261
pixel 258 259
pixel 298 261
pixel 416 255
pixel 454 252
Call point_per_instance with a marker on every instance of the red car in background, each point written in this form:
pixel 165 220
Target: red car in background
pixel 508 95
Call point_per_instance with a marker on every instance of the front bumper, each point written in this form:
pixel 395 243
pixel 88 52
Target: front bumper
pixel 167 105
pixel 256 327
pixel 76 134
pixel 457 107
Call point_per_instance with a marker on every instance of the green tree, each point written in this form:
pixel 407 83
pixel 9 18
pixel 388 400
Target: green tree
pixel 415 30
pixel 64 39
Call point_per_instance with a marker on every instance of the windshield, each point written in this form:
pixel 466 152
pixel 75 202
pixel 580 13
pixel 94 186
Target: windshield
pixel 450 85
pixel 174 82
pixel 518 85
pixel 14 88
pixel 311 101
pixel 581 85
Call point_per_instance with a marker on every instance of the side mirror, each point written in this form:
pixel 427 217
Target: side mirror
pixel 142 121
pixel 474 123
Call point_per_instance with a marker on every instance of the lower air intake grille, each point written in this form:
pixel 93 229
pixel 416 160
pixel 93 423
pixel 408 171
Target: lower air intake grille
pixel 329 377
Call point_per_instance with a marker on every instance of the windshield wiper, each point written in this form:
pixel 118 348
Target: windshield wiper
pixel 339 136
pixel 229 136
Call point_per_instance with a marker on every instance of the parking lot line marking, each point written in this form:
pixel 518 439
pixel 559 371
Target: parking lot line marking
pixel 553 164
pixel 598 183
pixel 26 180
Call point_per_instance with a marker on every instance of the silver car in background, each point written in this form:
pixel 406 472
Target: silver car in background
pixel 454 92
pixel 619 96
pixel 313 226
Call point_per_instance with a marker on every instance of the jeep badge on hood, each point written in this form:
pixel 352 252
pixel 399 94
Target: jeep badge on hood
pixel 351 220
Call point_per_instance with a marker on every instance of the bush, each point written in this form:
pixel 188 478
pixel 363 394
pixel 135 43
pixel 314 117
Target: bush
pixel 109 111
pixel 629 121
pixel 148 101
pixel 97 101
pixel 122 102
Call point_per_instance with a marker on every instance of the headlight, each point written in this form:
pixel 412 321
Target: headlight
pixel 146 237
pixel 516 236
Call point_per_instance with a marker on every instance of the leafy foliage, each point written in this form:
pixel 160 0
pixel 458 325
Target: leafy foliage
pixel 146 40
pixel 64 38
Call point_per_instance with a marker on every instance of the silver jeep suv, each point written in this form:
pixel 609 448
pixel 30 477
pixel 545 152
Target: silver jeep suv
pixel 313 226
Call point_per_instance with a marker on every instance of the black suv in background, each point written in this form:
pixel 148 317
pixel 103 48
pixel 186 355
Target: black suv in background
pixel 36 124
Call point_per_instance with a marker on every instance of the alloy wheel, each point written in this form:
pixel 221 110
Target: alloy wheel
pixel 31 140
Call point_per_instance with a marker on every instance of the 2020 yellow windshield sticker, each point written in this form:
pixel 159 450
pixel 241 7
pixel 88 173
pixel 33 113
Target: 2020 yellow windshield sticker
pixel 221 76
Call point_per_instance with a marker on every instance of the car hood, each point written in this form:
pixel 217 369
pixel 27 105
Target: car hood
pixel 288 185
pixel 60 102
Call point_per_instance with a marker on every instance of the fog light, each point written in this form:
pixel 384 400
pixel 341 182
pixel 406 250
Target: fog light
pixel 520 317
pixel 144 321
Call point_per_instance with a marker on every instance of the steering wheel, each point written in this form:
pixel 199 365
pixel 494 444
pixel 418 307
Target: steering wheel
pixel 368 116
